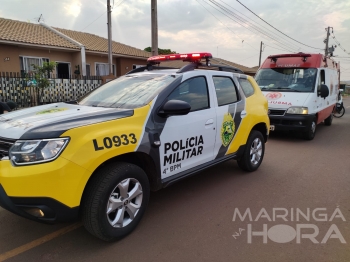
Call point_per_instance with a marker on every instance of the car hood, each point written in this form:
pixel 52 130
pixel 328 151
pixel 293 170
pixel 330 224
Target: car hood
pixel 284 100
pixel 49 121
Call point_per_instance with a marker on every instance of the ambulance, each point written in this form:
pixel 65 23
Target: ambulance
pixel 301 90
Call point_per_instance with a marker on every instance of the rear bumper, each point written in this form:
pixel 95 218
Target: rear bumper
pixel 291 122
pixel 41 209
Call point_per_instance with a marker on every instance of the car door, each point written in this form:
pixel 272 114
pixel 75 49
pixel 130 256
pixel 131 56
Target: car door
pixel 229 113
pixel 322 103
pixel 188 140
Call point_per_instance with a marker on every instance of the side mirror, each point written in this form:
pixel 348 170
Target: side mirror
pixel 324 91
pixel 175 108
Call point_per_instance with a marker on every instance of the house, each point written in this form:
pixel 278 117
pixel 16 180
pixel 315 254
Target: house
pixel 23 44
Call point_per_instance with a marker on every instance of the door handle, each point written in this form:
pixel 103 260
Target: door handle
pixel 209 122
pixel 243 113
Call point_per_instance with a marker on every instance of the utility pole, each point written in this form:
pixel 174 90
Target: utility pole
pixel 109 26
pixel 154 48
pixel 327 39
pixel 261 44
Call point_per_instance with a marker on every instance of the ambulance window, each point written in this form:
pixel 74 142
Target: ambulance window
pixel 247 87
pixel 193 91
pixel 225 90
pixel 322 79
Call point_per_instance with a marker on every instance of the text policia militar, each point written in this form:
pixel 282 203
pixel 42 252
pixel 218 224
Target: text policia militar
pixel 183 149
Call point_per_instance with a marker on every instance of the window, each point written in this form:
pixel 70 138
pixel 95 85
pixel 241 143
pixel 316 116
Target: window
pixel 225 90
pixel 26 63
pixel 247 87
pixel 193 91
pixel 87 69
pixel 287 79
pixel 137 66
pixel 102 69
pixel 321 80
pixel 127 91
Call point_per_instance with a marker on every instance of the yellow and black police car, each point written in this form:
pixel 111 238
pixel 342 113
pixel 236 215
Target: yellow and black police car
pixel 100 156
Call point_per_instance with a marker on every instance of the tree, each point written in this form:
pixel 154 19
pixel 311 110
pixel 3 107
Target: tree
pixel 41 76
pixel 160 51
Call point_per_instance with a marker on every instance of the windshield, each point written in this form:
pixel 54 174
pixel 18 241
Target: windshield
pixel 287 79
pixel 130 91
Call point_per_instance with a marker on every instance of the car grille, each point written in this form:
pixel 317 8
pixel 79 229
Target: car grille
pixel 5 145
pixel 276 112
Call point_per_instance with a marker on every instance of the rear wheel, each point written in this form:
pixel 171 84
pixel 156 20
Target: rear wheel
pixel 310 133
pixel 115 201
pixel 253 153
pixel 339 113
pixel 328 120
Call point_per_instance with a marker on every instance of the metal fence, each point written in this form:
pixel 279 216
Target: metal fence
pixel 22 91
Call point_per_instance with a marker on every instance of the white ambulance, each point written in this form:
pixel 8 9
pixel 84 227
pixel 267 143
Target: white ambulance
pixel 301 90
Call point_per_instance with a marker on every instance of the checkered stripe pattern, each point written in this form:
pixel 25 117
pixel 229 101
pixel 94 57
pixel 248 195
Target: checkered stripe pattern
pixel 60 90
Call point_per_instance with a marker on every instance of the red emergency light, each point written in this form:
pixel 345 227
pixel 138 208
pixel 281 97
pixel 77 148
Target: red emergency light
pixel 192 57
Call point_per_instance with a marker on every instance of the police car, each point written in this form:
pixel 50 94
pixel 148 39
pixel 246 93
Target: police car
pixel 99 157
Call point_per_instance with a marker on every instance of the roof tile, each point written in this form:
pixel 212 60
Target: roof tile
pixel 17 31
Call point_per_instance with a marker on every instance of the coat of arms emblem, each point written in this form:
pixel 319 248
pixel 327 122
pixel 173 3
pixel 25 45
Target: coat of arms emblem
pixel 227 129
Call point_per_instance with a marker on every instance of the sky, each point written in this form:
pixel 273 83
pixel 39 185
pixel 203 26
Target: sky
pixel 224 28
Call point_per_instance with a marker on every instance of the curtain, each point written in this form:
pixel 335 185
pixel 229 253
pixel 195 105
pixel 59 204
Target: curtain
pixel 102 69
pixel 28 62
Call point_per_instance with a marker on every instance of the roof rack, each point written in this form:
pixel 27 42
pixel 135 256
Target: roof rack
pixel 196 65
pixel 148 67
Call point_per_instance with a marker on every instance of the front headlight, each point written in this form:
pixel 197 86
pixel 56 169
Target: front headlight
pixel 26 152
pixel 297 110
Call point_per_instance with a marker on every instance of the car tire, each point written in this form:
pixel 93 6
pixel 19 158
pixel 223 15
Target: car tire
pixel 328 121
pixel 115 200
pixel 253 153
pixel 311 131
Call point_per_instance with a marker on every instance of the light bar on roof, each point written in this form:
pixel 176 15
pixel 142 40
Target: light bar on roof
pixel 192 57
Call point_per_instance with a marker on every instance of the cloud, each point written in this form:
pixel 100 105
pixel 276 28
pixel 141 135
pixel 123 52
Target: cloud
pixel 73 8
pixel 185 26
pixel 336 19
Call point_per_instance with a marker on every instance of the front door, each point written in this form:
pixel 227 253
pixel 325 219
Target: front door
pixel 63 70
pixel 188 141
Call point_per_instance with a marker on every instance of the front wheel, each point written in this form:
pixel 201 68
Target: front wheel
pixel 328 120
pixel 311 131
pixel 339 112
pixel 253 153
pixel 115 200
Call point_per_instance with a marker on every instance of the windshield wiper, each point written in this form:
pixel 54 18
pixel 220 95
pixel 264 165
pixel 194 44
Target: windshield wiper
pixel 74 102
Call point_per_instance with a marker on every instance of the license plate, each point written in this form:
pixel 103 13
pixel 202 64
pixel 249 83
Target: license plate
pixel 272 128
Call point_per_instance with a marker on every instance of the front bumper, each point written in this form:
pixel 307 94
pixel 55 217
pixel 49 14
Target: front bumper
pixel 41 209
pixel 45 192
pixel 291 122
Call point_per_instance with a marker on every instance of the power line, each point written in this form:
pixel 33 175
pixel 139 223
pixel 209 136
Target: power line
pixel 247 58
pixel 118 4
pixel 277 29
pixel 338 43
pixel 243 23
pixel 274 47
pixel 221 22
pixel 94 20
pixel 246 24
pixel 252 21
